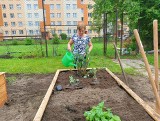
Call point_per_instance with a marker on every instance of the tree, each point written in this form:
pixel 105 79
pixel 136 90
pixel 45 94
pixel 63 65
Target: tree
pixel 140 14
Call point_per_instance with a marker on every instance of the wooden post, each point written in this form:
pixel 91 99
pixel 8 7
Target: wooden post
pixel 155 37
pixel 148 70
pixel 121 65
pixel 3 90
pixel 43 105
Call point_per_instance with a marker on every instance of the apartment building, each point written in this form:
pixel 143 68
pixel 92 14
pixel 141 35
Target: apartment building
pixel 25 17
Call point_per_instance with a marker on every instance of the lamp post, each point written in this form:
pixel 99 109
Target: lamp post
pixel 44 28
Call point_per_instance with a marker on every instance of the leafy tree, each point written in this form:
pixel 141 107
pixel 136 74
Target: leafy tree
pixel 139 13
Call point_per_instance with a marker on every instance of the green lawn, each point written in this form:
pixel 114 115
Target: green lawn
pixel 52 63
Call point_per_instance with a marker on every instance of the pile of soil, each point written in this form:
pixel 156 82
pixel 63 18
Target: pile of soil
pixel 27 91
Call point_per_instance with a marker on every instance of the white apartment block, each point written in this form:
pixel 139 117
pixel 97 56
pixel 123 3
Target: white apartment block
pixel 25 17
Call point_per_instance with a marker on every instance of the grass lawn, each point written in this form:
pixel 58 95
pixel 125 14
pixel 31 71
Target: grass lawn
pixel 52 63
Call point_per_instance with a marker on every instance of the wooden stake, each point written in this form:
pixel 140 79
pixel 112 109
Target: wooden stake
pixel 155 37
pixel 43 105
pixel 148 70
pixel 148 109
pixel 121 65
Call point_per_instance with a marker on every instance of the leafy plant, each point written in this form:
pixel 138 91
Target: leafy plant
pixel 92 73
pixel 72 80
pixel 82 63
pixel 100 113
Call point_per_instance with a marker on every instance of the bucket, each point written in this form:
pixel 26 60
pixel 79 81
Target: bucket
pixel 68 59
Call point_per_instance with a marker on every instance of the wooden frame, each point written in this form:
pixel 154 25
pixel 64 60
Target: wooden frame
pixel 43 105
pixel 3 89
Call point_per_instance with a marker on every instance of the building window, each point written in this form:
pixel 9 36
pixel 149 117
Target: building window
pixel 69 31
pixel 37 32
pixel 52 15
pixel 68 15
pixel 31 32
pixel 58 15
pixel 89 22
pixel 29 15
pixel 4 15
pixel 11 15
pixel 89 14
pixel 68 6
pixel 36 15
pixel 37 23
pixel 11 6
pixel 82 11
pixel 74 22
pixel 59 23
pixel 35 6
pixel 51 6
pixel 75 31
pixel 18 6
pixel 19 15
pixel 52 22
pixel 74 6
pixel 13 24
pixel 58 6
pixel 28 6
pixel 68 22
pixel 5 24
pixel 20 31
pixel 59 31
pixel 89 31
pixel 3 6
pixel 6 32
pixel 30 23
pixel 89 6
pixel 74 15
pixel 81 18
pixel 13 32
pixel 20 23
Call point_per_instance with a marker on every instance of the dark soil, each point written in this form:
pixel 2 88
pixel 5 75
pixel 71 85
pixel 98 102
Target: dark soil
pixel 70 103
pixel 27 91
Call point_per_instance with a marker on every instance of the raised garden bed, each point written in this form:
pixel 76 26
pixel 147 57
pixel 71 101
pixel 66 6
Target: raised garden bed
pixel 71 103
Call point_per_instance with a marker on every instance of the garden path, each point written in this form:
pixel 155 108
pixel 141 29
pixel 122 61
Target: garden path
pixel 138 65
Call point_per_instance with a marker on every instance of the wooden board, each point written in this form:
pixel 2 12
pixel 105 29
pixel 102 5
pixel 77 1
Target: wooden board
pixel 3 90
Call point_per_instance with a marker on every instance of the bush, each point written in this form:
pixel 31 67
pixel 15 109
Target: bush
pixel 55 35
pixel 63 36
pixel 14 42
pixel 55 40
pixel 28 41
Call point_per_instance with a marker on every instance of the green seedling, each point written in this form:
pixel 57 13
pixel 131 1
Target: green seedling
pixel 72 80
pixel 100 113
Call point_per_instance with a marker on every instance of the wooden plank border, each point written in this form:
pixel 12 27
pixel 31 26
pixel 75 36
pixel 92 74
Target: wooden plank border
pixel 148 109
pixel 45 100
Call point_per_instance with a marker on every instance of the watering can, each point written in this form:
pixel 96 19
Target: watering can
pixel 68 59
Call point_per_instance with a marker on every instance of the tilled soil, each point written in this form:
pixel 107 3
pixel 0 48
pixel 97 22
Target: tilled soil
pixel 71 103
pixel 27 91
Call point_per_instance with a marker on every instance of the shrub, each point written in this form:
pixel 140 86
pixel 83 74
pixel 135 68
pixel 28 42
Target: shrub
pixel 14 42
pixel 55 40
pixel 63 36
pixel 28 41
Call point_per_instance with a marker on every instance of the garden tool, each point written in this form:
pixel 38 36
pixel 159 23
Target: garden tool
pixel 68 59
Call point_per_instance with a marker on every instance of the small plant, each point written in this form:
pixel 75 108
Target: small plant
pixel 72 80
pixel 100 113
pixel 92 73
pixel 82 63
